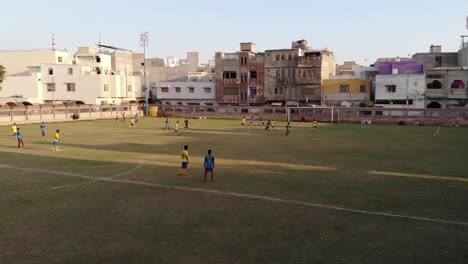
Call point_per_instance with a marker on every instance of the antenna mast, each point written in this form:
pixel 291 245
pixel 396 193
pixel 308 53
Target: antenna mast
pixel 100 47
pixel 53 41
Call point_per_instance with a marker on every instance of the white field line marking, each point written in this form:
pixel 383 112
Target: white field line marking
pixel 67 174
pixel 437 131
pixel 242 195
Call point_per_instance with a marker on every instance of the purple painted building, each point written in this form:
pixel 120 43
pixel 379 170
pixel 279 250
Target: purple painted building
pixel 401 67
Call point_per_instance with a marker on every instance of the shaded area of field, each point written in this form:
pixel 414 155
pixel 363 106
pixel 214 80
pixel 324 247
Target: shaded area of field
pixel 118 222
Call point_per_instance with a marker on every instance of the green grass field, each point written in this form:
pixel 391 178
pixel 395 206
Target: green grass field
pixel 112 195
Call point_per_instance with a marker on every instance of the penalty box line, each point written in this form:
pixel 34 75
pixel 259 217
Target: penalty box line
pixel 243 195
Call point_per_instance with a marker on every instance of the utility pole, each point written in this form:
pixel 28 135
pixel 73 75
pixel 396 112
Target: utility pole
pixel 144 39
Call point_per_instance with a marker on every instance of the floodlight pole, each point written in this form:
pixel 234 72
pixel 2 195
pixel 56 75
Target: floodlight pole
pixel 144 39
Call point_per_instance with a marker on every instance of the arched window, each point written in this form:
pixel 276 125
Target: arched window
pixel 434 105
pixel 457 84
pixel 434 85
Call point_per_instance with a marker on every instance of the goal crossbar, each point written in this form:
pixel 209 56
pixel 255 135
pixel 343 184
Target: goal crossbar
pixel 289 110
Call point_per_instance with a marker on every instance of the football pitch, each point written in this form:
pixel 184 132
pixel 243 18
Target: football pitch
pixel 342 193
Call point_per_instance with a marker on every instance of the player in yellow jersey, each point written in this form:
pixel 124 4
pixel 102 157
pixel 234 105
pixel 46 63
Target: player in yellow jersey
pixel 185 161
pixel 117 116
pixel 14 128
pixel 314 124
pixel 243 121
pixel 132 123
pixel 176 129
pixel 56 141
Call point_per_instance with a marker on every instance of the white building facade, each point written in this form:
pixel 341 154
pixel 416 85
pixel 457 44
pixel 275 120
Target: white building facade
pixel 400 90
pixel 198 89
pixel 400 84
pixel 41 77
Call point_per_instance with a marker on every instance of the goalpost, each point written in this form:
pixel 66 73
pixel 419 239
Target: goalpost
pixel 314 110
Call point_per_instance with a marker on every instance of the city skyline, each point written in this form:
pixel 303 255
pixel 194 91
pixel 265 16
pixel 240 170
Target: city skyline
pixel 354 31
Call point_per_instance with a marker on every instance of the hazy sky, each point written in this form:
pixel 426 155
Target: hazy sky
pixel 360 30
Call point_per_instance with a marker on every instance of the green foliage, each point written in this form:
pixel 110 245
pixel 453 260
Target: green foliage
pixel 366 104
pixel 2 75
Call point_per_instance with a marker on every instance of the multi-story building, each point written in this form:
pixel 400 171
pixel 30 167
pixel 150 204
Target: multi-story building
pixel 447 87
pixel 435 58
pixel 347 68
pixel 198 89
pixel 53 77
pixel 240 76
pixel 296 75
pixel 463 53
pixel 401 84
pixel 171 69
pixel 338 92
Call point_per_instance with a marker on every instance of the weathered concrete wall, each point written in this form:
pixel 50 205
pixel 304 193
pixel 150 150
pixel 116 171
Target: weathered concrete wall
pixel 408 87
pixel 435 60
pixel 463 56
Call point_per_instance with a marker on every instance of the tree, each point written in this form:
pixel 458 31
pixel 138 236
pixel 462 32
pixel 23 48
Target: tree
pixel 2 75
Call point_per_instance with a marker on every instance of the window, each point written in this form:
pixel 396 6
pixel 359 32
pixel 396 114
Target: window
pixel 98 59
pixel 363 88
pixel 244 78
pixel 106 87
pixel 399 102
pixel 129 88
pixel 164 89
pixel 253 74
pixel 243 60
pixel 309 72
pixel 51 87
pixel 277 57
pixel 282 57
pixel 177 89
pixel 231 91
pixel 207 89
pixel 253 92
pixel 70 71
pixel 457 84
pixel 434 85
pixel 344 88
pixel 299 73
pixel 229 75
pixel 70 87
pixel 51 71
pixel 191 89
pixel 278 90
pixel 304 74
pixel 438 62
pixel 243 97
pixel 382 102
pixel 391 88
pixel 290 57
pixel 60 59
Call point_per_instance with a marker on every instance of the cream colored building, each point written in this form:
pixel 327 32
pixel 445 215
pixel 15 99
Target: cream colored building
pixel 54 76
pixel 199 88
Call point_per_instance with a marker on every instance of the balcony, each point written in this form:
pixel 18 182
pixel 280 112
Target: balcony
pixel 457 94
pixel 310 62
pixel 436 94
